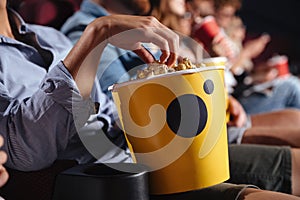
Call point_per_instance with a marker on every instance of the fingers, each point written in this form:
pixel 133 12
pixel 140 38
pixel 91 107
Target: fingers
pixel 168 41
pixel 144 54
pixel 237 113
pixel 265 38
pixel 3 157
pixel 174 48
pixel 240 120
pixel 172 59
pixel 129 32
pixel 237 120
pixel 3 175
pixel 168 45
pixel 1 141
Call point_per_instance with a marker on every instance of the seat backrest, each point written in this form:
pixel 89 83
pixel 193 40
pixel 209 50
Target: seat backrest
pixel 51 13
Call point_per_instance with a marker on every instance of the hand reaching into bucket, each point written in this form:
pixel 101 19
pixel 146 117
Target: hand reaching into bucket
pixel 124 31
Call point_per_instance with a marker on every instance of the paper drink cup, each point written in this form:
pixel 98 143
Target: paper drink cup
pixel 175 124
pixel 206 31
pixel 281 64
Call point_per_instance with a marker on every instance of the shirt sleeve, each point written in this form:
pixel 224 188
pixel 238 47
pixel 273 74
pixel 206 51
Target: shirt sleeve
pixel 39 127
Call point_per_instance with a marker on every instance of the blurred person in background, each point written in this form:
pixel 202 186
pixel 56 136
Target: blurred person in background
pixel 259 87
pixel 200 9
pixel 225 10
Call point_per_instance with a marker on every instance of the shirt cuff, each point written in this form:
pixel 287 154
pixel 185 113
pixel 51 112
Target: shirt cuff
pixel 61 87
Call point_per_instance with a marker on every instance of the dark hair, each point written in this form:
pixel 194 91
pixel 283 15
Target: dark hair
pixel 221 3
pixel 169 19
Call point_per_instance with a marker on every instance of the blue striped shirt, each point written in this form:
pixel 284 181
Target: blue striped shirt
pixel 41 108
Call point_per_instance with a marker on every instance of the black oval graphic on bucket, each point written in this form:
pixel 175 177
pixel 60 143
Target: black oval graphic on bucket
pixel 208 86
pixel 187 115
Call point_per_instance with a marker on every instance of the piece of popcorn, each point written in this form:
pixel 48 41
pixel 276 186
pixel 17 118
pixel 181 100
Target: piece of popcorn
pixel 141 74
pixel 180 66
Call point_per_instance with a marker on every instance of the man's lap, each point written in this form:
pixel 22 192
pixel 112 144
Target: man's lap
pixel 268 167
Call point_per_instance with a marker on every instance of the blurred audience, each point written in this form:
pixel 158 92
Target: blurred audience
pixel 255 129
pixel 259 87
pixel 241 125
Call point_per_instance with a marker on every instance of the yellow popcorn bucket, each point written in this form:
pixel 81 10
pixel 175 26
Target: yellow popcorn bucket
pixel 175 124
pixel 219 61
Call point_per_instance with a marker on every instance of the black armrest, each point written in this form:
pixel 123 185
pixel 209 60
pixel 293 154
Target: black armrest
pixel 35 185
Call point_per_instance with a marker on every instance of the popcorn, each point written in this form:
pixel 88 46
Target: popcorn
pixel 153 69
pixel 157 68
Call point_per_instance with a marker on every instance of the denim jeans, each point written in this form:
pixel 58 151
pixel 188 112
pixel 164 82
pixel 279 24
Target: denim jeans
pixel 285 93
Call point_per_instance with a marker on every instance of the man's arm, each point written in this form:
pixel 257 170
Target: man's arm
pixel 125 32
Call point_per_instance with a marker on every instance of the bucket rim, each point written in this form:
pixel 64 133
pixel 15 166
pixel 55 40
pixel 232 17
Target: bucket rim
pixel 115 86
